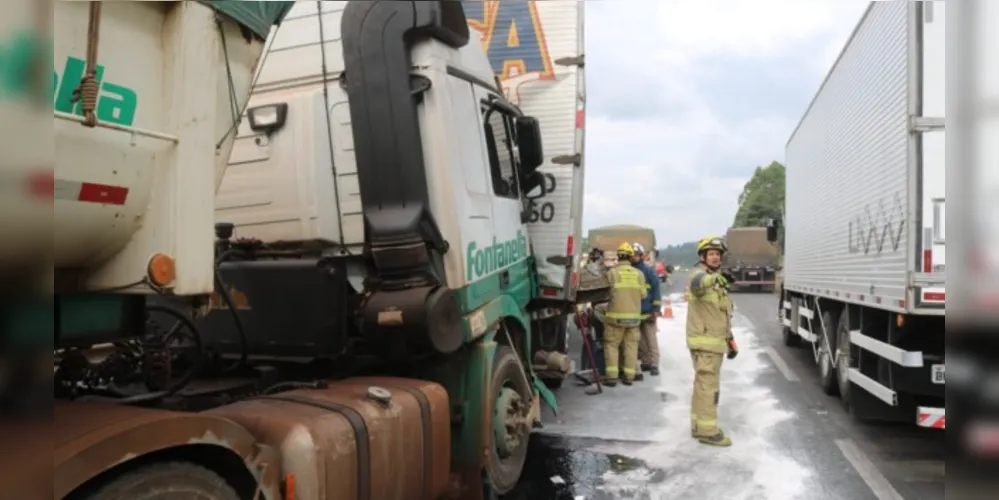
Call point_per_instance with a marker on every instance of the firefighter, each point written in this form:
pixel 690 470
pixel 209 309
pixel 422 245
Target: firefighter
pixel 709 328
pixel 624 314
pixel 648 343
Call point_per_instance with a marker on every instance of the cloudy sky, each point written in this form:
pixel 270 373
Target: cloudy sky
pixel 686 98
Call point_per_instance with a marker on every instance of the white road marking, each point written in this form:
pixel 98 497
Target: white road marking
pixel 781 365
pixel 876 481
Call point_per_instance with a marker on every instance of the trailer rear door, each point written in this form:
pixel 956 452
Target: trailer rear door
pixel 930 290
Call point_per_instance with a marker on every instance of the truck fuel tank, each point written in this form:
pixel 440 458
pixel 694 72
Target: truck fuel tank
pixel 373 438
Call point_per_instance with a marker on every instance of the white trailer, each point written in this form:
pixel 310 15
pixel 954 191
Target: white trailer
pixel 864 279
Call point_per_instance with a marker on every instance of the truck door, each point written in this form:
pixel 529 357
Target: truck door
pixel 507 198
pixel 536 50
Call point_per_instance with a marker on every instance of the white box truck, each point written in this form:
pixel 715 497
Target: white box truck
pixel 864 279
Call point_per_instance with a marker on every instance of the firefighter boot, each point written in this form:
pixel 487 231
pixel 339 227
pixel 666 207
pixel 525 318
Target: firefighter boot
pixel 717 439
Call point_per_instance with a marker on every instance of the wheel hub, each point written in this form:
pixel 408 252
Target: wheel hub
pixel 824 357
pixel 510 427
pixel 843 353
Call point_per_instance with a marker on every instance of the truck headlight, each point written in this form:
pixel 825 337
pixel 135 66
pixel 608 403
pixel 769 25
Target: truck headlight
pixel 268 118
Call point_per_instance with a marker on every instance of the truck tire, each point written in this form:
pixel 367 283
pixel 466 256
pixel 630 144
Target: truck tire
pixel 845 357
pixel 827 370
pixel 504 465
pixel 167 481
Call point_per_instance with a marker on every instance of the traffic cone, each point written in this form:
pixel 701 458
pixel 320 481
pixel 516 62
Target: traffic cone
pixel 668 309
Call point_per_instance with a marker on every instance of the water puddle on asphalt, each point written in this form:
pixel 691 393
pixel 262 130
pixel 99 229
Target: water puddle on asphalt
pixel 559 468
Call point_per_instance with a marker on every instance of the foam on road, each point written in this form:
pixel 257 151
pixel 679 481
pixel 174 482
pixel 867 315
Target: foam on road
pixel 650 421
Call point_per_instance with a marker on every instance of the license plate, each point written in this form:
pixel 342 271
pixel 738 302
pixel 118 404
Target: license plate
pixel 937 374
pixel 753 273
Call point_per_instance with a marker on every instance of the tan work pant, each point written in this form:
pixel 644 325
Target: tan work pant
pixel 614 336
pixel 648 343
pixel 707 384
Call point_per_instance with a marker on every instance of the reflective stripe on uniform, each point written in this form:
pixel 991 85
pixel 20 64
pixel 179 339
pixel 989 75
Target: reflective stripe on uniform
pixel 611 371
pixel 617 315
pixel 628 371
pixel 706 423
pixel 703 342
pixel 629 278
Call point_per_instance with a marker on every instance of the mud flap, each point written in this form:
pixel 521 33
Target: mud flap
pixel 546 394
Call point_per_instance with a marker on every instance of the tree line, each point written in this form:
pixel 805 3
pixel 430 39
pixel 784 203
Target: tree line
pixel 762 198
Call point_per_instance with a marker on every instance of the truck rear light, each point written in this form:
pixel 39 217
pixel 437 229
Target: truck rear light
pixel 549 292
pixel 569 245
pixel 927 261
pixel 289 487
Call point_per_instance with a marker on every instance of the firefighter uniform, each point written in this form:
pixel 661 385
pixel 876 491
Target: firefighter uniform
pixel 709 323
pixel 624 314
pixel 648 342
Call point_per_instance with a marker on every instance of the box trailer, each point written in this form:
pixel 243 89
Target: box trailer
pixel 864 279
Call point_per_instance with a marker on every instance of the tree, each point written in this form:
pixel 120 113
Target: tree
pixel 683 255
pixel 762 198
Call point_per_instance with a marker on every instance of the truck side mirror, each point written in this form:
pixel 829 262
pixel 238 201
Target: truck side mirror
pixel 533 185
pixel 529 144
pixel 773 225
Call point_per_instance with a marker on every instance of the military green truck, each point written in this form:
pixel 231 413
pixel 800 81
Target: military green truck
pixel 751 259
pixel 608 238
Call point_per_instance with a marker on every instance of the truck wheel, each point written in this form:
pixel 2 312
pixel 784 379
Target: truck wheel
pixel 511 429
pixel 845 357
pixel 167 481
pixel 827 372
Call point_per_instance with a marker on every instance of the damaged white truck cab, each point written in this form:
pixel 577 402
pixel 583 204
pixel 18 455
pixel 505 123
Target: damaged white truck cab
pixel 404 162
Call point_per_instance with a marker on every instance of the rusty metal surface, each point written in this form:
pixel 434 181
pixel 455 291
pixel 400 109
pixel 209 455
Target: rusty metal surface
pixel 749 246
pixel 438 462
pixel 90 438
pixel 25 467
pixel 321 436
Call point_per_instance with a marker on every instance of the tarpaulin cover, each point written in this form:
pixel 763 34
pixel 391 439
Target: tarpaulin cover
pixel 608 238
pixel 258 17
pixel 749 246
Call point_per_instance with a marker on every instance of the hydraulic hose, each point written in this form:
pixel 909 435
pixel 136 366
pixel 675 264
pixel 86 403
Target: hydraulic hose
pixel 240 329
pixel 199 344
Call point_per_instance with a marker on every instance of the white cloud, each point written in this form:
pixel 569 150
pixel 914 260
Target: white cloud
pixel 665 147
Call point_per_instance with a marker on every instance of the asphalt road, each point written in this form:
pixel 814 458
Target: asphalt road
pixel 791 441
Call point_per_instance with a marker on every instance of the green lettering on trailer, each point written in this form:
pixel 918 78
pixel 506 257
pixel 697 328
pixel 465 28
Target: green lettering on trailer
pixel 498 255
pixel 115 104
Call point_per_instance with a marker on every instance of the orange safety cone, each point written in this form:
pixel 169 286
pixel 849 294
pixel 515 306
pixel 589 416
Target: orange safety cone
pixel 668 309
